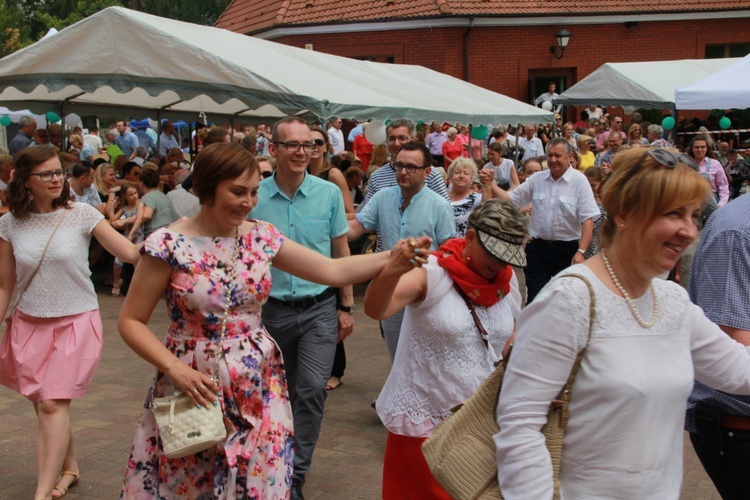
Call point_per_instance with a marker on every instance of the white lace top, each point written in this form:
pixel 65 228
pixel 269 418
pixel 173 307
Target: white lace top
pixel 624 437
pixel 441 359
pixel 62 287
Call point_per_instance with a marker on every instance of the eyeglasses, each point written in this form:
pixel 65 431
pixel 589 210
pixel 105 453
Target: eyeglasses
pixel 399 138
pixel 602 124
pixel 410 167
pixel 320 142
pixel 618 121
pixel 266 174
pixel 294 146
pixel 49 174
pixel 667 159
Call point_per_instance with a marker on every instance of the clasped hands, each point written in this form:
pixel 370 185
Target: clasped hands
pixel 410 253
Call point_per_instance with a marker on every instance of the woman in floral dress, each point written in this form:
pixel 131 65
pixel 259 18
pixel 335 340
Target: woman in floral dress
pixel 190 263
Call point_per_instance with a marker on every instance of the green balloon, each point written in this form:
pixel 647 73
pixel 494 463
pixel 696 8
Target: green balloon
pixel 667 123
pixel 480 133
pixel 387 122
pixel 725 123
pixel 4 121
pixel 52 117
pixel 420 123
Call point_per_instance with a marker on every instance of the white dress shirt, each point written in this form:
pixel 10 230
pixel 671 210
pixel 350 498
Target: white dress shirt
pixel 533 148
pixel 336 138
pixel 558 208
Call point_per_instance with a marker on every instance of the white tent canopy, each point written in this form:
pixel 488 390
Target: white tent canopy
pixel 649 85
pixel 729 87
pixel 127 60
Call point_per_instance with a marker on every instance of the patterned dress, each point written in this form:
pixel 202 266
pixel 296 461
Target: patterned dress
pixel 256 459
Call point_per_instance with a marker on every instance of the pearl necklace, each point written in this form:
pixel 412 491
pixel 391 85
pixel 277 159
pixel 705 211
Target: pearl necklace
pixel 631 305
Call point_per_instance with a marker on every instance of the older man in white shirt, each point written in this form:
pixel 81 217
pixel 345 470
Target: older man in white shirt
pixel 563 211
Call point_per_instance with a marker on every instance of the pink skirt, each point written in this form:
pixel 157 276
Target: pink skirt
pixel 51 358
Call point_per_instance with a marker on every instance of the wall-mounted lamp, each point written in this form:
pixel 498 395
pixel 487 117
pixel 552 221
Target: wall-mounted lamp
pixel 563 39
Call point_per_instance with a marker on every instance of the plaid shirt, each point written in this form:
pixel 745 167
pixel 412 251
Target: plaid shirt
pixel 720 285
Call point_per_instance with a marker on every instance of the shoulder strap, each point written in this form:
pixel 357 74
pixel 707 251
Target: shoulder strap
pixel 563 398
pixel 483 333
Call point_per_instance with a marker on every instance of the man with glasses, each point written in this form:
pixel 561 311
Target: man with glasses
pixel 407 209
pixel 614 141
pixel 603 140
pixel 302 316
pixel 399 132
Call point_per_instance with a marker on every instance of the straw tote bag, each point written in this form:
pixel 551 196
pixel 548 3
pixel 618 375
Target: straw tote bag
pixel 461 452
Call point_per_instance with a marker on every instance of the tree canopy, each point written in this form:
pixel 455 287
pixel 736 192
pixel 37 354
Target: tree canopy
pixel 23 22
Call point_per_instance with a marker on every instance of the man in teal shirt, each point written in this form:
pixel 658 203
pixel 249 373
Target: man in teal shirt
pixel 300 315
pixel 405 210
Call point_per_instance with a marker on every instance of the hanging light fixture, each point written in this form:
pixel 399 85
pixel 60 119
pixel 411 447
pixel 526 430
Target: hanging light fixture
pixel 563 39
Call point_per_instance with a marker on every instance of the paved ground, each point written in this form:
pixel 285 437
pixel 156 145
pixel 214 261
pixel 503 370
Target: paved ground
pixel 347 462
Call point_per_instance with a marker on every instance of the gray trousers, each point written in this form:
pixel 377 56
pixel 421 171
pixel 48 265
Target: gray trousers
pixel 307 339
pixel 390 328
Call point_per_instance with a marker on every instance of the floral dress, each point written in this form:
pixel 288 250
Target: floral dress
pixel 256 459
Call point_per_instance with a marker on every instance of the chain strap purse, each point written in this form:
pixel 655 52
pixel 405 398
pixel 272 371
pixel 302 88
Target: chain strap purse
pixel 184 428
pixel 461 452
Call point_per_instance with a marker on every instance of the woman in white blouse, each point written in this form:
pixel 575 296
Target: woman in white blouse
pixel 442 356
pixel 463 198
pixel 624 436
pixel 53 341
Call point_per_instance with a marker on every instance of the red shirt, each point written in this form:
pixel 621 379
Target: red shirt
pixel 363 149
pixel 452 151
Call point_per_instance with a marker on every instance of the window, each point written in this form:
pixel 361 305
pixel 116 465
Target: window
pixel 380 59
pixel 727 50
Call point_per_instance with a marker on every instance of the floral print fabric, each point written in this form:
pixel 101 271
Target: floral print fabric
pixel 256 459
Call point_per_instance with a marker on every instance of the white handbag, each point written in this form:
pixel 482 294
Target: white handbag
pixel 184 428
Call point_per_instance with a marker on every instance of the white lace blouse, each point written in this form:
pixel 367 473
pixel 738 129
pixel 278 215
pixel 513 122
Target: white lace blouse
pixel 62 287
pixel 441 359
pixel 624 437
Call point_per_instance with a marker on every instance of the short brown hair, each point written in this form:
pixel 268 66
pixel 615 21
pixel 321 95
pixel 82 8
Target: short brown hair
pixel 218 162
pixel 641 189
pixel 17 196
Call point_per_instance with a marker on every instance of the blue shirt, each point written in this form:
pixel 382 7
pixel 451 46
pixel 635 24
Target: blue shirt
pixel 127 143
pixel 312 218
pixel 720 285
pixel 428 214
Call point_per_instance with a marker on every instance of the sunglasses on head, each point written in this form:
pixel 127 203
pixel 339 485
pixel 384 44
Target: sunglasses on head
pixel 266 174
pixel 667 159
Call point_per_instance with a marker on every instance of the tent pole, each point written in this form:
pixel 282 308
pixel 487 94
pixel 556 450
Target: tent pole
pixel 64 128
pixel 674 131
pixel 158 132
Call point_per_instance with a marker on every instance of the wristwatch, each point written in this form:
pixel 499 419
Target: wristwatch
pixel 582 250
pixel 347 309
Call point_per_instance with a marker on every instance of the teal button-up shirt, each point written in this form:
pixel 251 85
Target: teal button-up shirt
pixel 312 218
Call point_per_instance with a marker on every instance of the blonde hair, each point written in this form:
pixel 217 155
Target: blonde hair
pixel 463 162
pixel 640 189
pixel 99 175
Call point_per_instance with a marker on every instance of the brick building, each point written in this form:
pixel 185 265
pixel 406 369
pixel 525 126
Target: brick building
pixel 501 45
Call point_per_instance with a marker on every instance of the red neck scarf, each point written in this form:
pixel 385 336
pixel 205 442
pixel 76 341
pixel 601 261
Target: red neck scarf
pixel 479 289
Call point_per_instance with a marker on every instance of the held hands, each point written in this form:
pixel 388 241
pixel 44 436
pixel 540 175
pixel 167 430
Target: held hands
pixel 486 176
pixel 198 386
pixel 410 253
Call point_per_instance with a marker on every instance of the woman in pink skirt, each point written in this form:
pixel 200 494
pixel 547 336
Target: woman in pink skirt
pixel 53 340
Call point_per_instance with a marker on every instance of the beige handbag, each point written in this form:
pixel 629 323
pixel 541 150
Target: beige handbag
pixel 461 452
pixel 184 428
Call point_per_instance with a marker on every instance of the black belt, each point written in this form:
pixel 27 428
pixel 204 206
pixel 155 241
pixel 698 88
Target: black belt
pixel 303 303
pixel 553 243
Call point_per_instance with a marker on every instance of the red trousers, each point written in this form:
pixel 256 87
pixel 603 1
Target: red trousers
pixel 405 471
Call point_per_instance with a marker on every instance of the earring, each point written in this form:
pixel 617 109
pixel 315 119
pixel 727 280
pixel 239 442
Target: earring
pixel 31 196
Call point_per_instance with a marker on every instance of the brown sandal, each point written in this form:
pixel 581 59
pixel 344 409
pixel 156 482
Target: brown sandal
pixel 62 489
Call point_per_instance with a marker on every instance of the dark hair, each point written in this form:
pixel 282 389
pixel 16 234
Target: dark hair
pixel 80 169
pixel 216 135
pixel 417 146
pixel 709 146
pixel 218 162
pixel 17 196
pixel 287 119
pixel 42 134
pixel 128 167
pixel 150 177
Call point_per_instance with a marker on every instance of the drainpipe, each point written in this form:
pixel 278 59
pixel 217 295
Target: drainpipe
pixel 466 49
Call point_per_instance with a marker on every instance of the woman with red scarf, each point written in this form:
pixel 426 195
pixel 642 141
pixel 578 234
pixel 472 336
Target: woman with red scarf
pixel 443 354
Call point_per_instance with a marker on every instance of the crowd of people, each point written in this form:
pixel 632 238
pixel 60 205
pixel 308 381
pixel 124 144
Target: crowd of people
pixel 470 244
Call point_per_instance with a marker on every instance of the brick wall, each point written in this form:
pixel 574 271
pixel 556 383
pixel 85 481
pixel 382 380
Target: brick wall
pixel 503 58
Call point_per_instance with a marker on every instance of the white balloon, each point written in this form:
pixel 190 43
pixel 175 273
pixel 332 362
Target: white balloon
pixel 16 117
pixel 628 110
pixel 375 132
pixel 153 123
pixel 547 105
pixel 72 120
